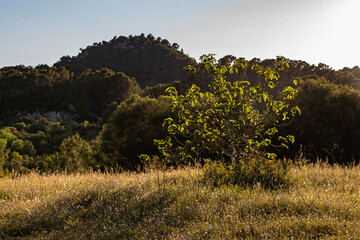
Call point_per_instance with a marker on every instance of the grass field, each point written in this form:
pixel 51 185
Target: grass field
pixel 323 202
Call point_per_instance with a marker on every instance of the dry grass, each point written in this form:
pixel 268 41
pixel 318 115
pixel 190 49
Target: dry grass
pixel 322 203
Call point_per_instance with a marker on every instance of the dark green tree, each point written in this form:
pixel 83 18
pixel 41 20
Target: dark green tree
pixel 97 89
pixel 131 130
pixel 327 127
pixel 74 155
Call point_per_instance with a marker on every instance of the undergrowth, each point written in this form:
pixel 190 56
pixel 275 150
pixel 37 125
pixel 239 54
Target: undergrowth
pixel 249 172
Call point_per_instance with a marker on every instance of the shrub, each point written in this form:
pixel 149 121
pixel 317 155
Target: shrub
pixel 18 163
pixel 218 173
pixel 248 172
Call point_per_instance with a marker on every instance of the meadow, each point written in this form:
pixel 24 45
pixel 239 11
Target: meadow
pixel 322 202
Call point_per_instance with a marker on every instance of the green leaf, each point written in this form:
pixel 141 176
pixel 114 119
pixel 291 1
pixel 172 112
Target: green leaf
pixel 190 69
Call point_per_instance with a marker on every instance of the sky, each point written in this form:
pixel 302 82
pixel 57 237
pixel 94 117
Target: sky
pixel 36 32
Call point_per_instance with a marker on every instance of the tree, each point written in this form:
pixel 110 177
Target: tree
pixel 328 126
pixel 227 60
pixel 232 120
pixel 75 155
pixel 106 86
pixel 175 46
pixel 130 131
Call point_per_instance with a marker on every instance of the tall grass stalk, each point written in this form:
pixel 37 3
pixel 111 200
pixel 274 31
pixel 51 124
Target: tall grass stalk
pixel 323 202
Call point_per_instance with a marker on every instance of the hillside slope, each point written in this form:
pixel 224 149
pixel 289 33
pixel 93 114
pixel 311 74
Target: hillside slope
pixel 149 60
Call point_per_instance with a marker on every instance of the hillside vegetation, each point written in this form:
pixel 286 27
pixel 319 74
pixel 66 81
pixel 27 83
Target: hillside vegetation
pixel 150 60
pixel 107 104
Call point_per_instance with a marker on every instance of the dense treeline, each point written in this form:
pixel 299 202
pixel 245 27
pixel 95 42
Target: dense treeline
pixel 328 126
pixel 302 69
pixel 86 95
pixel 43 108
pixel 89 111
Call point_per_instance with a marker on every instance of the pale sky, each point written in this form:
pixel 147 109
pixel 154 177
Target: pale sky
pixel 36 32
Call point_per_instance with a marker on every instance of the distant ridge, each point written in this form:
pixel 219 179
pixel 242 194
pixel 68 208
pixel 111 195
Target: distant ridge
pixel 150 60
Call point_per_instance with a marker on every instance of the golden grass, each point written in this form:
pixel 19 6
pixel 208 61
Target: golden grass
pixel 323 202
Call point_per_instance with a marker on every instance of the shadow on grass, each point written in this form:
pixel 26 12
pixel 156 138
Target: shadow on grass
pixel 92 214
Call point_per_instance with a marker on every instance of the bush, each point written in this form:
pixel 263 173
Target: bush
pixel 218 173
pixel 248 172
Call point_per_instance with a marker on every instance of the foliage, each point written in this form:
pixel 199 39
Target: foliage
pixel 268 173
pixel 75 155
pixel 232 120
pixel 297 68
pixel 33 146
pixel 130 131
pixel 45 87
pixel 327 127
pixel 101 76
pixel 56 89
pixel 97 89
pixel 15 153
pixel 45 136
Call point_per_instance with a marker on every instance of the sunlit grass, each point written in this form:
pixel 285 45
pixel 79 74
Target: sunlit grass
pixel 322 202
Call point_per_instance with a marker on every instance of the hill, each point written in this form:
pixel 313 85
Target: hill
pixel 150 60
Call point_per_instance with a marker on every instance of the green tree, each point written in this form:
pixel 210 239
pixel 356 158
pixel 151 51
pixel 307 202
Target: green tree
pixel 232 120
pixel 97 89
pixel 75 155
pixel 17 145
pixel 7 135
pixel 131 130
